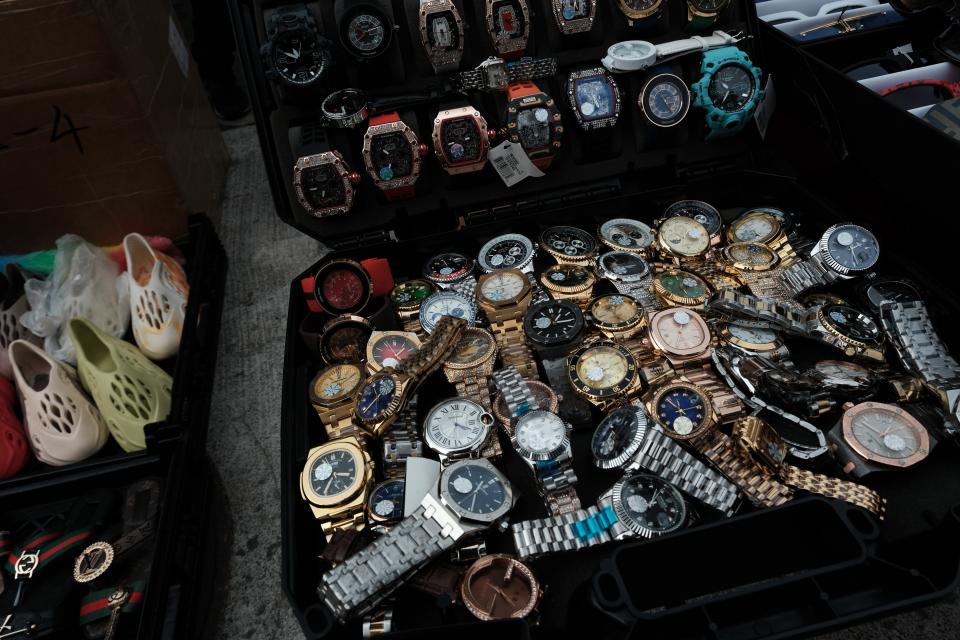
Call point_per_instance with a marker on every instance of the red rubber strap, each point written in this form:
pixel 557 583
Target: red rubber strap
pixel 380 275
pixel 385 118
pixel 521 89
pixel 400 193
pixel 952 87
pixel 309 285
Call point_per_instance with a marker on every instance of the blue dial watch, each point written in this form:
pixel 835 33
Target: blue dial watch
pixel 728 90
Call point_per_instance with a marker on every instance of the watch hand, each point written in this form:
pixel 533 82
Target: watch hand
pixel 473 503
pixel 329 482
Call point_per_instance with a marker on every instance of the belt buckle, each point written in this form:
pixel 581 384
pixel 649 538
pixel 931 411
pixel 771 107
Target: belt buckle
pixel 494 74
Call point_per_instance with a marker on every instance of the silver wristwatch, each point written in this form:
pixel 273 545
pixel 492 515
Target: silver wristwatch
pixel 458 428
pixel 630 275
pixel 401 441
pixel 638 506
pixel 472 496
pixel 345 108
pixel 542 440
pixel 844 251
pixel 494 74
pixel 515 391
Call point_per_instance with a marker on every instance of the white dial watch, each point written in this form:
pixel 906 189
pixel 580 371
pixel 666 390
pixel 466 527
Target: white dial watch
pixel 637 55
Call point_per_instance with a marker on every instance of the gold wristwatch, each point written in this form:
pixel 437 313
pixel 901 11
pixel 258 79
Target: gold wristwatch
pixel 406 299
pixel 603 372
pixel 470 364
pixel 759 225
pixel 504 296
pixel 682 241
pixel 390 348
pixel 572 282
pixel 331 394
pixel 680 288
pixel 765 446
pixel 758 267
pixel 618 317
pixel 336 481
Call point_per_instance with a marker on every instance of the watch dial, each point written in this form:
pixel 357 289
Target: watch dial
pixel 628 266
pixel 615 311
pixel 570 241
pixel 540 432
pixel 462 140
pixel 554 322
pixel 500 589
pixel 680 331
pixel 509 20
pixel 883 432
pixel 702 212
pixel 595 98
pixel 575 9
pixel 627 234
pixel 892 291
pixel 391 155
pixel 375 396
pixel 731 88
pixel 639 5
pixel 323 186
pixel 666 101
pixel 752 254
pixel 391 350
pixel 682 284
pixel 843 372
pixel 346 342
pixel 299 57
pixel 456 425
pixel 442 32
pixel 506 253
pixel 652 504
pixel 503 285
pixel 336 383
pixel 854 247
pixel 684 236
pixel 603 369
pixel 367 33
pixel 757 228
pixel 476 489
pixel 711 5
pixel 851 322
pixel 410 293
pixel 343 289
pixel 333 472
pixel 633 50
pixel 615 434
pixel 753 335
pixel 386 500
pixel 568 275
pixel 533 125
pixel 682 410
pixel 445 303
pixel 448 266
pixel 473 346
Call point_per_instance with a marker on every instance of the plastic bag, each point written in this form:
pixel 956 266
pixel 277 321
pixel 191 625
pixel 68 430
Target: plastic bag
pixel 85 283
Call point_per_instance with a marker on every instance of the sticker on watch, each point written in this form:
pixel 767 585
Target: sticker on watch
pixel 512 163
pixel 766 107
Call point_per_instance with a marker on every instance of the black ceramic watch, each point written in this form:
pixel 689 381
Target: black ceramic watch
pixel 554 327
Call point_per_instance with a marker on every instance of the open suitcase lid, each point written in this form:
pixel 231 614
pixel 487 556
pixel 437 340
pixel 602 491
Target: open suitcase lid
pixel 445 202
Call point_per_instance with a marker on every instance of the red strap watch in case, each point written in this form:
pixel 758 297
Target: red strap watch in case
pixel 392 155
pixel 372 274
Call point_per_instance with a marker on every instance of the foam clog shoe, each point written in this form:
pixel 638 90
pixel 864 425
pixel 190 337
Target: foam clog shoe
pixel 130 391
pixel 14 451
pixel 158 298
pixel 61 423
pixel 13 304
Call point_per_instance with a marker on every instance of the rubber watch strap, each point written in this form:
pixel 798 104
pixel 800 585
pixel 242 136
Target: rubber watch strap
pixel 522 89
pixel 398 193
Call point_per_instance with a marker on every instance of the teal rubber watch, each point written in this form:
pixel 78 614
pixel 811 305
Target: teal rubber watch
pixel 728 90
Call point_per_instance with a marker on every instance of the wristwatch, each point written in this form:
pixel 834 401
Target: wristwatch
pixel 765 226
pixel 618 317
pixel 392 154
pixel 407 297
pixel 324 184
pixel 553 327
pixel 753 341
pixel 345 109
pixel 603 372
pixel 704 213
pixel 873 436
pixel 625 234
pixel 508 23
pixel 295 54
pixel 382 396
pixel 568 245
pixel 472 497
pixel 757 266
pixel 728 90
pixel 844 251
pixel 533 122
pixel 594 97
pixel 461 140
pixel 504 296
pixel 331 394
pixel 470 364
pixel 385 505
pixel 494 74
pixel 765 446
pixel 452 271
pixel 629 274
pixel 498 587
pixel 638 55
pixel 680 288
pixel 345 286
pixel 365 28
pixel 401 442
pixel 682 241
pixel 542 440
pixel 702 14
pixel 574 16
pixel 335 483
pixel 835 325
pixel 519 396
pixel 641 14
pixel 507 251
pixel 390 348
pixel 447 303
pixel 459 428
pixel 441 34
pixel 664 100
pixel 627 440
pixel 569 282
pixel 344 339
pixel 638 506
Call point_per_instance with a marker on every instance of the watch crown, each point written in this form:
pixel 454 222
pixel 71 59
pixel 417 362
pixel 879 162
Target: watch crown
pixel 423 149
pixel 354 178
pixel 491 134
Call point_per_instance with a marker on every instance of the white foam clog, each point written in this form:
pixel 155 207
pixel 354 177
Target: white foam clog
pixel 158 298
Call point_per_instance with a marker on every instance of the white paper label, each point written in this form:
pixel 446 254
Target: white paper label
pixel 766 107
pixel 512 163
pixel 179 49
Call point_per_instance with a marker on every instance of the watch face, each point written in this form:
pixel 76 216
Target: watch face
pixel 504 252
pixel 442 32
pixel 731 88
pixel 553 322
pixel 633 51
pixel 391 156
pixel 616 436
pixel 462 140
pixel 474 346
pixel 626 234
pixel 323 186
pixel 576 9
pixel 615 311
pixel 681 330
pixel 568 275
pixel 569 241
pixel 391 350
pixel 853 247
pixel 665 100
pixel 533 127
pixel 845 373
pixel 299 57
pixel 448 267
pixel 684 236
pixel 540 433
pixel 700 211
pixel 752 335
pixel 602 370
pixel 366 33
pixel 681 410
pixel 620 265
pixel 851 323
pixel 409 293
pixel 651 504
pixel 375 397
pixel 682 284
pixel 502 285
pixel 751 254
pixel 386 501
pixel 335 383
pixel 445 303
pixel 886 432
pixel 594 97
pixel 509 19
pixel 345 342
pixel 500 587
pixel 756 228
pixel 333 472
pixel 342 287
pixel 456 425
pixel 476 489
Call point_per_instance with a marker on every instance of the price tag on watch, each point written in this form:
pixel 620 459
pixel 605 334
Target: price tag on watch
pixel 766 107
pixel 512 163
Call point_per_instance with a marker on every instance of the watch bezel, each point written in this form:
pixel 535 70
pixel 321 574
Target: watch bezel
pixel 621 277
pixel 540 456
pixel 505 46
pixel 579 75
pixel 480 123
pixel 665 78
pixel 775 232
pixel 522 239
pixel 578 324
pixel 709 414
pixel 466 592
pixel 325 62
pixel 923 440
pixel 470 304
pixel 377 336
pixel 456 276
pixel 666 294
pixel 726 336
pixel 486 420
pixel 675 252
pixel 330 267
pixel 634 321
pixel 555 122
pixel 658 342
pixel 750 71
pixel 350 445
pixel 601 393
pixel 650 233
pixel 413 306
pixel 370 9
pixel 562 257
pixel 437 58
pixel 372 515
pixel 393 407
pixel 346 395
pixel 557 288
pixel 630 451
pixel 490 353
pixel 413 143
pixel 526 289
pixel 624 517
pixel 575 25
pixel 335 324
pixel 462 513
pixel 824 319
pixel 823 250
pixel 727 253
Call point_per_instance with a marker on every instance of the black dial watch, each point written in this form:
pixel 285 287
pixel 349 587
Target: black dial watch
pixel 664 100
pixel 366 29
pixel 554 327
pixel 295 55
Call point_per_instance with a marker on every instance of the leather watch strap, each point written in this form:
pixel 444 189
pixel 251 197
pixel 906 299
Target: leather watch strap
pixel 439 579
pixel 342 545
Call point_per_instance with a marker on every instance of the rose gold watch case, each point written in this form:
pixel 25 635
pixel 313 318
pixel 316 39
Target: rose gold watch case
pixel 505 45
pixel 923 437
pixel 689 353
pixel 335 159
pixel 480 123
pixel 414 143
pixel 576 25
pixel 546 397
pixel 440 59
pixel 471 586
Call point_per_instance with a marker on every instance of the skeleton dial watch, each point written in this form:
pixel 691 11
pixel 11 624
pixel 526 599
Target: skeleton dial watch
pixel 392 155
pixel 534 122
pixel 470 363
pixel 844 251
pixel 461 140
pixel 324 184
pixel 574 16
pixel 508 23
pixel 504 296
pixel 873 436
pixel 569 282
pixel 459 428
pixel 441 34
pixel 542 440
